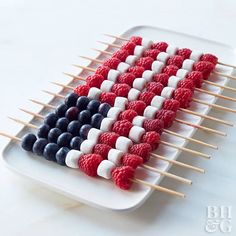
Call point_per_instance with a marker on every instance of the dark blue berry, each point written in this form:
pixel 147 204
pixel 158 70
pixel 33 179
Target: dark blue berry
pixel 71 99
pixel 39 146
pixel 72 113
pixel 64 139
pixel 61 110
pixel 74 127
pixel 104 108
pixel 82 103
pixel 96 120
pixel 84 131
pixel 51 119
pixel 50 151
pixel 93 106
pixel 43 131
pixel 84 117
pixel 53 135
pixel 28 141
pixel 76 142
pixel 61 155
pixel 62 124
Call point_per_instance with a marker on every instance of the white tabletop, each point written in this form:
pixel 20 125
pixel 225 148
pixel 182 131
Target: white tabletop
pixel 39 40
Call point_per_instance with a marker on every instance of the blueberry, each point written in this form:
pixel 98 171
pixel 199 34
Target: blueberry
pixel 53 135
pixel 39 146
pixel 84 131
pixel 72 113
pixel 74 127
pixel 104 108
pixel 96 120
pixel 93 106
pixel 76 142
pixel 61 110
pixel 71 99
pixel 61 155
pixel 43 131
pixel 51 119
pixel 82 103
pixel 50 151
pixel 84 117
pixel 62 124
pixel 28 141
pixel 64 139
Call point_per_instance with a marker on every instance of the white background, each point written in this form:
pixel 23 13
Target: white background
pixel 39 40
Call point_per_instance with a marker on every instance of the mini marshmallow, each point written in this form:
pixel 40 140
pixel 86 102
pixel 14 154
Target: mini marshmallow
pixel 188 64
pixel 113 75
pixel 150 112
pixel 139 50
pixel 94 93
pixel 115 155
pixel 94 134
pixel 139 83
pixel 163 57
pixel 167 92
pixel 171 50
pixel 72 158
pixel 157 102
pixel 123 144
pixel 181 73
pixel 106 124
pixel 195 55
pixel 120 102
pixel 148 75
pixel 138 120
pixel 133 94
pixel 123 67
pixel 114 112
pixel 131 59
pixel 136 133
pixel 87 146
pixel 157 66
pixel 146 43
pixel 173 81
pixel 106 85
pixel 104 169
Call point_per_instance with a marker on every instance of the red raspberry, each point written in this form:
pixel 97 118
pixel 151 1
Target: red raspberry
pixel 175 60
pixel 210 58
pixel 136 40
pixel 112 62
pixel 129 46
pixel 146 97
pixel 161 46
pixel 122 177
pixel 121 54
pixel 82 90
pixel 126 78
pixel 128 115
pixel 102 149
pixel 132 160
pixel 108 138
pixel 142 150
pixel 138 106
pixel 121 90
pixel 145 62
pixel 161 78
pixel 184 52
pixel 170 70
pixel 196 77
pixel 184 96
pixel 155 87
pixel 186 83
pixel 108 98
pixel 122 127
pixel 137 71
pixel 167 116
pixel 171 104
pixel 205 67
pixel 89 164
pixel 94 80
pixel 153 138
pixel 154 125
pixel 151 53
pixel 102 70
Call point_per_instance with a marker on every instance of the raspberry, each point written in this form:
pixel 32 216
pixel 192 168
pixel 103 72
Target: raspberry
pixel 153 125
pixel 82 90
pixel 151 53
pixel 196 77
pixel 170 70
pixel 89 164
pixel 94 80
pixel 155 87
pixel 126 78
pixel 142 150
pixel 161 78
pixel 184 96
pixel 186 83
pixel 175 60
pixel 161 46
pixel 137 71
pixel 128 115
pixel 171 104
pixel 136 40
pixel 121 54
pixel 205 67
pixel 145 62
pixel 138 106
pixel 184 52
pixel 152 138
pixel 122 127
pixel 146 97
pixel 108 138
pixel 108 98
pixel 102 70
pixel 132 160
pixel 210 58
pixel 112 62
pixel 122 177
pixel 102 149
pixel 129 46
pixel 167 116
pixel 121 90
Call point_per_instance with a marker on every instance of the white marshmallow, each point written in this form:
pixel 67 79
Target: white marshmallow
pixel 106 124
pixel 157 66
pixel 106 85
pixel 150 112
pixel 131 59
pixel 72 158
pixel 123 144
pixel 115 155
pixel 173 81
pixel 87 146
pixel 94 93
pixel 94 134
pixel 136 133
pixel 195 55
pixel 167 92
pixel 188 64
pixel 171 50
pixel 163 57
pixel 133 94
pixel 123 67
pixel 157 102
pixel 104 169
pixel 113 75
pixel 148 75
pixel 181 73
pixel 138 120
pixel 114 112
pixel 139 83
pixel 139 50
pixel 147 43
pixel 120 102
